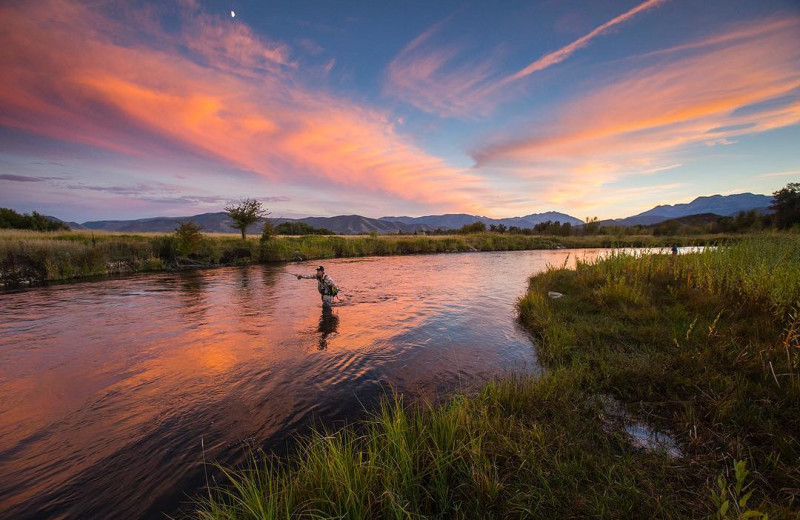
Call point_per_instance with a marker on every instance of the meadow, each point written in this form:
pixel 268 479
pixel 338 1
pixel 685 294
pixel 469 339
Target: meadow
pixel 29 257
pixel 701 347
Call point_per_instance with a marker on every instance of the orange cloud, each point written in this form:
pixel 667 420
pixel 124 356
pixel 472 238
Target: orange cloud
pixel 707 98
pixel 212 88
pixel 710 92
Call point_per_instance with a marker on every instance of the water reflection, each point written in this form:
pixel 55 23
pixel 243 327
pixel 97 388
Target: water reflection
pixel 191 286
pixel 107 388
pixel 328 324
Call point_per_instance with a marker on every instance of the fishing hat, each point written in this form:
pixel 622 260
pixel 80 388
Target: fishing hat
pixel 320 268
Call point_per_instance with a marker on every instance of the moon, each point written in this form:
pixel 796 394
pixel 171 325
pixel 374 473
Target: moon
pixel 233 14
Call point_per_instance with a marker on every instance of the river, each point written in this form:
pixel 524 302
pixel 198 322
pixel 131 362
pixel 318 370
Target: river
pixel 113 392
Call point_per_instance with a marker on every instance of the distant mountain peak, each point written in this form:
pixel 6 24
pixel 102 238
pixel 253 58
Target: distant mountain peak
pixel 722 205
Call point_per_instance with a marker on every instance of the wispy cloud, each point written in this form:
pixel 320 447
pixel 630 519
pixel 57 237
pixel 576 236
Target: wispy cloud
pixel 25 178
pixel 555 57
pixel 164 193
pixel 20 178
pixel 212 89
pixel 745 87
pixel 788 173
pixel 447 80
pixel 650 119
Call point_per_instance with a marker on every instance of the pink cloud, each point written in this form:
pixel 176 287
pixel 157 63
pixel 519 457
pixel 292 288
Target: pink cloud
pixel 702 98
pixel 711 92
pixel 212 89
pixel 424 75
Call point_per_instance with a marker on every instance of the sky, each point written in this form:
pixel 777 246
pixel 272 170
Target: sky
pixel 132 109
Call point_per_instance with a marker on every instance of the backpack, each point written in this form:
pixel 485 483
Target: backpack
pixel 331 288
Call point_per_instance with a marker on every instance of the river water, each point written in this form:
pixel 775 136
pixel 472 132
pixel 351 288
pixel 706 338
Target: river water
pixel 112 392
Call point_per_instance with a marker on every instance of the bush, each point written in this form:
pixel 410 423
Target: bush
pixel 300 228
pixel 189 237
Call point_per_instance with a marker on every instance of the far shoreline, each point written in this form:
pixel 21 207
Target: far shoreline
pixel 31 259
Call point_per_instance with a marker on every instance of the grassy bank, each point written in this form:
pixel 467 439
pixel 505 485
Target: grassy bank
pixel 31 257
pixel 701 347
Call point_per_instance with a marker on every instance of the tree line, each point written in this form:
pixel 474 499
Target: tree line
pixel 10 219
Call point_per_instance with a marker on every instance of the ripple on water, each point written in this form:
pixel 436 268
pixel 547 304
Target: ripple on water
pixel 110 390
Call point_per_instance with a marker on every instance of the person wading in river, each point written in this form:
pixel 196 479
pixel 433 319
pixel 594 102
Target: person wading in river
pixel 325 285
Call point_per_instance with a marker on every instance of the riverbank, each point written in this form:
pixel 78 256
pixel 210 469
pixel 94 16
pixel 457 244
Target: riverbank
pixel 28 257
pixel 701 348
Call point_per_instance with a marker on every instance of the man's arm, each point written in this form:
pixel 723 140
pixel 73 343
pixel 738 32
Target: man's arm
pixel 306 276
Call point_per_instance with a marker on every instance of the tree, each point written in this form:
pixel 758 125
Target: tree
pixel 246 213
pixel 475 227
pixel 591 227
pixel 268 231
pixel 189 237
pixel 35 221
pixel 786 206
pixel 300 228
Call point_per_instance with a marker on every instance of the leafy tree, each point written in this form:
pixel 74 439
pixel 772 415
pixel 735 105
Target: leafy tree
pixel 189 237
pixel 300 228
pixel 268 231
pixel 786 206
pixel 35 221
pixel 591 227
pixel 475 227
pixel 246 213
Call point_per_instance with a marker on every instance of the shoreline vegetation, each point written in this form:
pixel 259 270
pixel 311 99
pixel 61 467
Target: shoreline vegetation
pixel 33 257
pixel 699 351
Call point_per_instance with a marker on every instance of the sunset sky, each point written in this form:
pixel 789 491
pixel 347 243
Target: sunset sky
pixel 117 110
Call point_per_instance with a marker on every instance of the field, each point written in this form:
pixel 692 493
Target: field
pixel 672 390
pixel 28 257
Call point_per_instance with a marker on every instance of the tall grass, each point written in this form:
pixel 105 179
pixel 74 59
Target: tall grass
pixel 704 345
pixel 691 344
pixel 762 269
pixel 520 449
pixel 28 256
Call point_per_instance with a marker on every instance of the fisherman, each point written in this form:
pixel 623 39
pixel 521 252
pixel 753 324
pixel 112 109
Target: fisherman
pixel 325 285
pixel 674 249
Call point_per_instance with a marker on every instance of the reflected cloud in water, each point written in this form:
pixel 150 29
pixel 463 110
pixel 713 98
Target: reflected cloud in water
pixel 106 388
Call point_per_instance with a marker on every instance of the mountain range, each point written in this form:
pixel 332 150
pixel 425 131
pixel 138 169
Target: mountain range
pixel 457 220
pixel 722 205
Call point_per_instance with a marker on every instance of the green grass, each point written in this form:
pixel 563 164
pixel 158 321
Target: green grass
pixel 32 257
pixel 702 346
pixel 520 449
